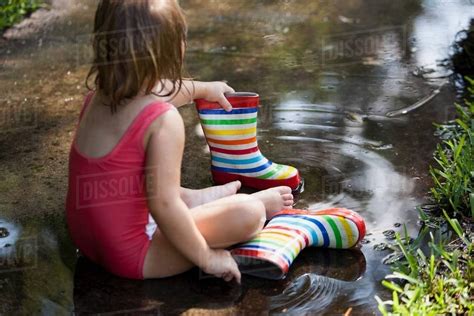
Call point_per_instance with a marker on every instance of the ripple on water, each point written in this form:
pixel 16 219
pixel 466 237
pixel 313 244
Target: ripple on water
pixel 365 180
pixel 312 294
pixel 300 296
pixel 349 174
pixel 342 166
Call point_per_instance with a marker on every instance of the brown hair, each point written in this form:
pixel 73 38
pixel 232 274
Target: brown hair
pixel 137 44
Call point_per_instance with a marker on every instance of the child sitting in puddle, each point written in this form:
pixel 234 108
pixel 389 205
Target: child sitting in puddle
pixel 130 134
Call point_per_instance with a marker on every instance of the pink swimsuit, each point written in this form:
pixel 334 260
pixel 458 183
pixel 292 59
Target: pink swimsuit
pixel 106 205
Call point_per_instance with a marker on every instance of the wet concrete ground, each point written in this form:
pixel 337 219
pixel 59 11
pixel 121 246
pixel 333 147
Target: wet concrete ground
pixel 328 73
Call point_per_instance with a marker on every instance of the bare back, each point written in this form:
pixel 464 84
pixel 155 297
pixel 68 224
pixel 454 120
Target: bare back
pixel 100 131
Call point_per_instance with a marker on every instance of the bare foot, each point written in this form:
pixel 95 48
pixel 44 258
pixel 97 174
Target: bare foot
pixel 275 200
pixel 194 198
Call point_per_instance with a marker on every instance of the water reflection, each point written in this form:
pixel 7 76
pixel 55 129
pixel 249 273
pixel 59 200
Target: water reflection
pixel 431 38
pixel 308 288
pixel 351 171
pixel 325 114
pixel 317 275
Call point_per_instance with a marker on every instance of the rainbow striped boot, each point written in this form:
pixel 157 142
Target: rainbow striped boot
pixel 232 139
pixel 273 250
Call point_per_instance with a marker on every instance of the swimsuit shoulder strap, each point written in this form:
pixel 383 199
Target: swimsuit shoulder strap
pixel 135 133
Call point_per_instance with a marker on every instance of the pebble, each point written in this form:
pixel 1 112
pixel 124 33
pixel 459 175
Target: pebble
pixel 381 247
pixel 389 234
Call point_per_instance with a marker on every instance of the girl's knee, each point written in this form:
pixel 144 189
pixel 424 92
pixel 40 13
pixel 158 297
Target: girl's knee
pixel 251 214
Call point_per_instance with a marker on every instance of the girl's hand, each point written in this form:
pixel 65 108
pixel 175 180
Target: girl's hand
pixel 214 92
pixel 221 264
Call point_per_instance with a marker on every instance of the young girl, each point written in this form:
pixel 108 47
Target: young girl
pixel 125 159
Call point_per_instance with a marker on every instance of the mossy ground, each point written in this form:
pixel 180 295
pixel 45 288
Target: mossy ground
pixel 12 11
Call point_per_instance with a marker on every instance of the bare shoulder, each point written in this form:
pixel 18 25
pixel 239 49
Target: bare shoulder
pixel 169 124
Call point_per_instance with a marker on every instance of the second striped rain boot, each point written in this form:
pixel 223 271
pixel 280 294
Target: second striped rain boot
pixel 271 253
pixel 232 139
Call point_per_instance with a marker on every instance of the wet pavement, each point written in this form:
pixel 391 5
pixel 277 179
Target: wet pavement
pixel 328 73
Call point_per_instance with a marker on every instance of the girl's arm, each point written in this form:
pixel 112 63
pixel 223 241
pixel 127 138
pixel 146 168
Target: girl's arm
pixel 211 91
pixel 164 155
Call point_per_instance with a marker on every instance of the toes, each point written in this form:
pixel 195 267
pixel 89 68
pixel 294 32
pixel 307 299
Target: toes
pixel 237 184
pixel 283 190
pixel 288 200
pixel 286 190
pixel 233 187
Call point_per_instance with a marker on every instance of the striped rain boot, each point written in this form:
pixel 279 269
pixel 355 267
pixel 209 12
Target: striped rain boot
pixel 273 250
pixel 232 139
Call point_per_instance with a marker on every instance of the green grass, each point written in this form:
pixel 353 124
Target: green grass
pixel 441 282
pixel 12 11
pixel 453 173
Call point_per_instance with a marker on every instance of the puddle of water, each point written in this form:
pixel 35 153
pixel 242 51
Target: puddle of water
pixel 418 104
pixel 324 110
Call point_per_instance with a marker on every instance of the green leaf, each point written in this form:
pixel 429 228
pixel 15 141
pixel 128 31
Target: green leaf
pixel 432 268
pixel 414 297
pixel 457 227
pixel 396 302
pixel 462 124
pixel 381 306
pixel 460 147
pixel 471 199
pixel 392 286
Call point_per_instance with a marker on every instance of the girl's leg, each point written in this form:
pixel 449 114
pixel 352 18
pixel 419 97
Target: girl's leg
pixel 223 223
